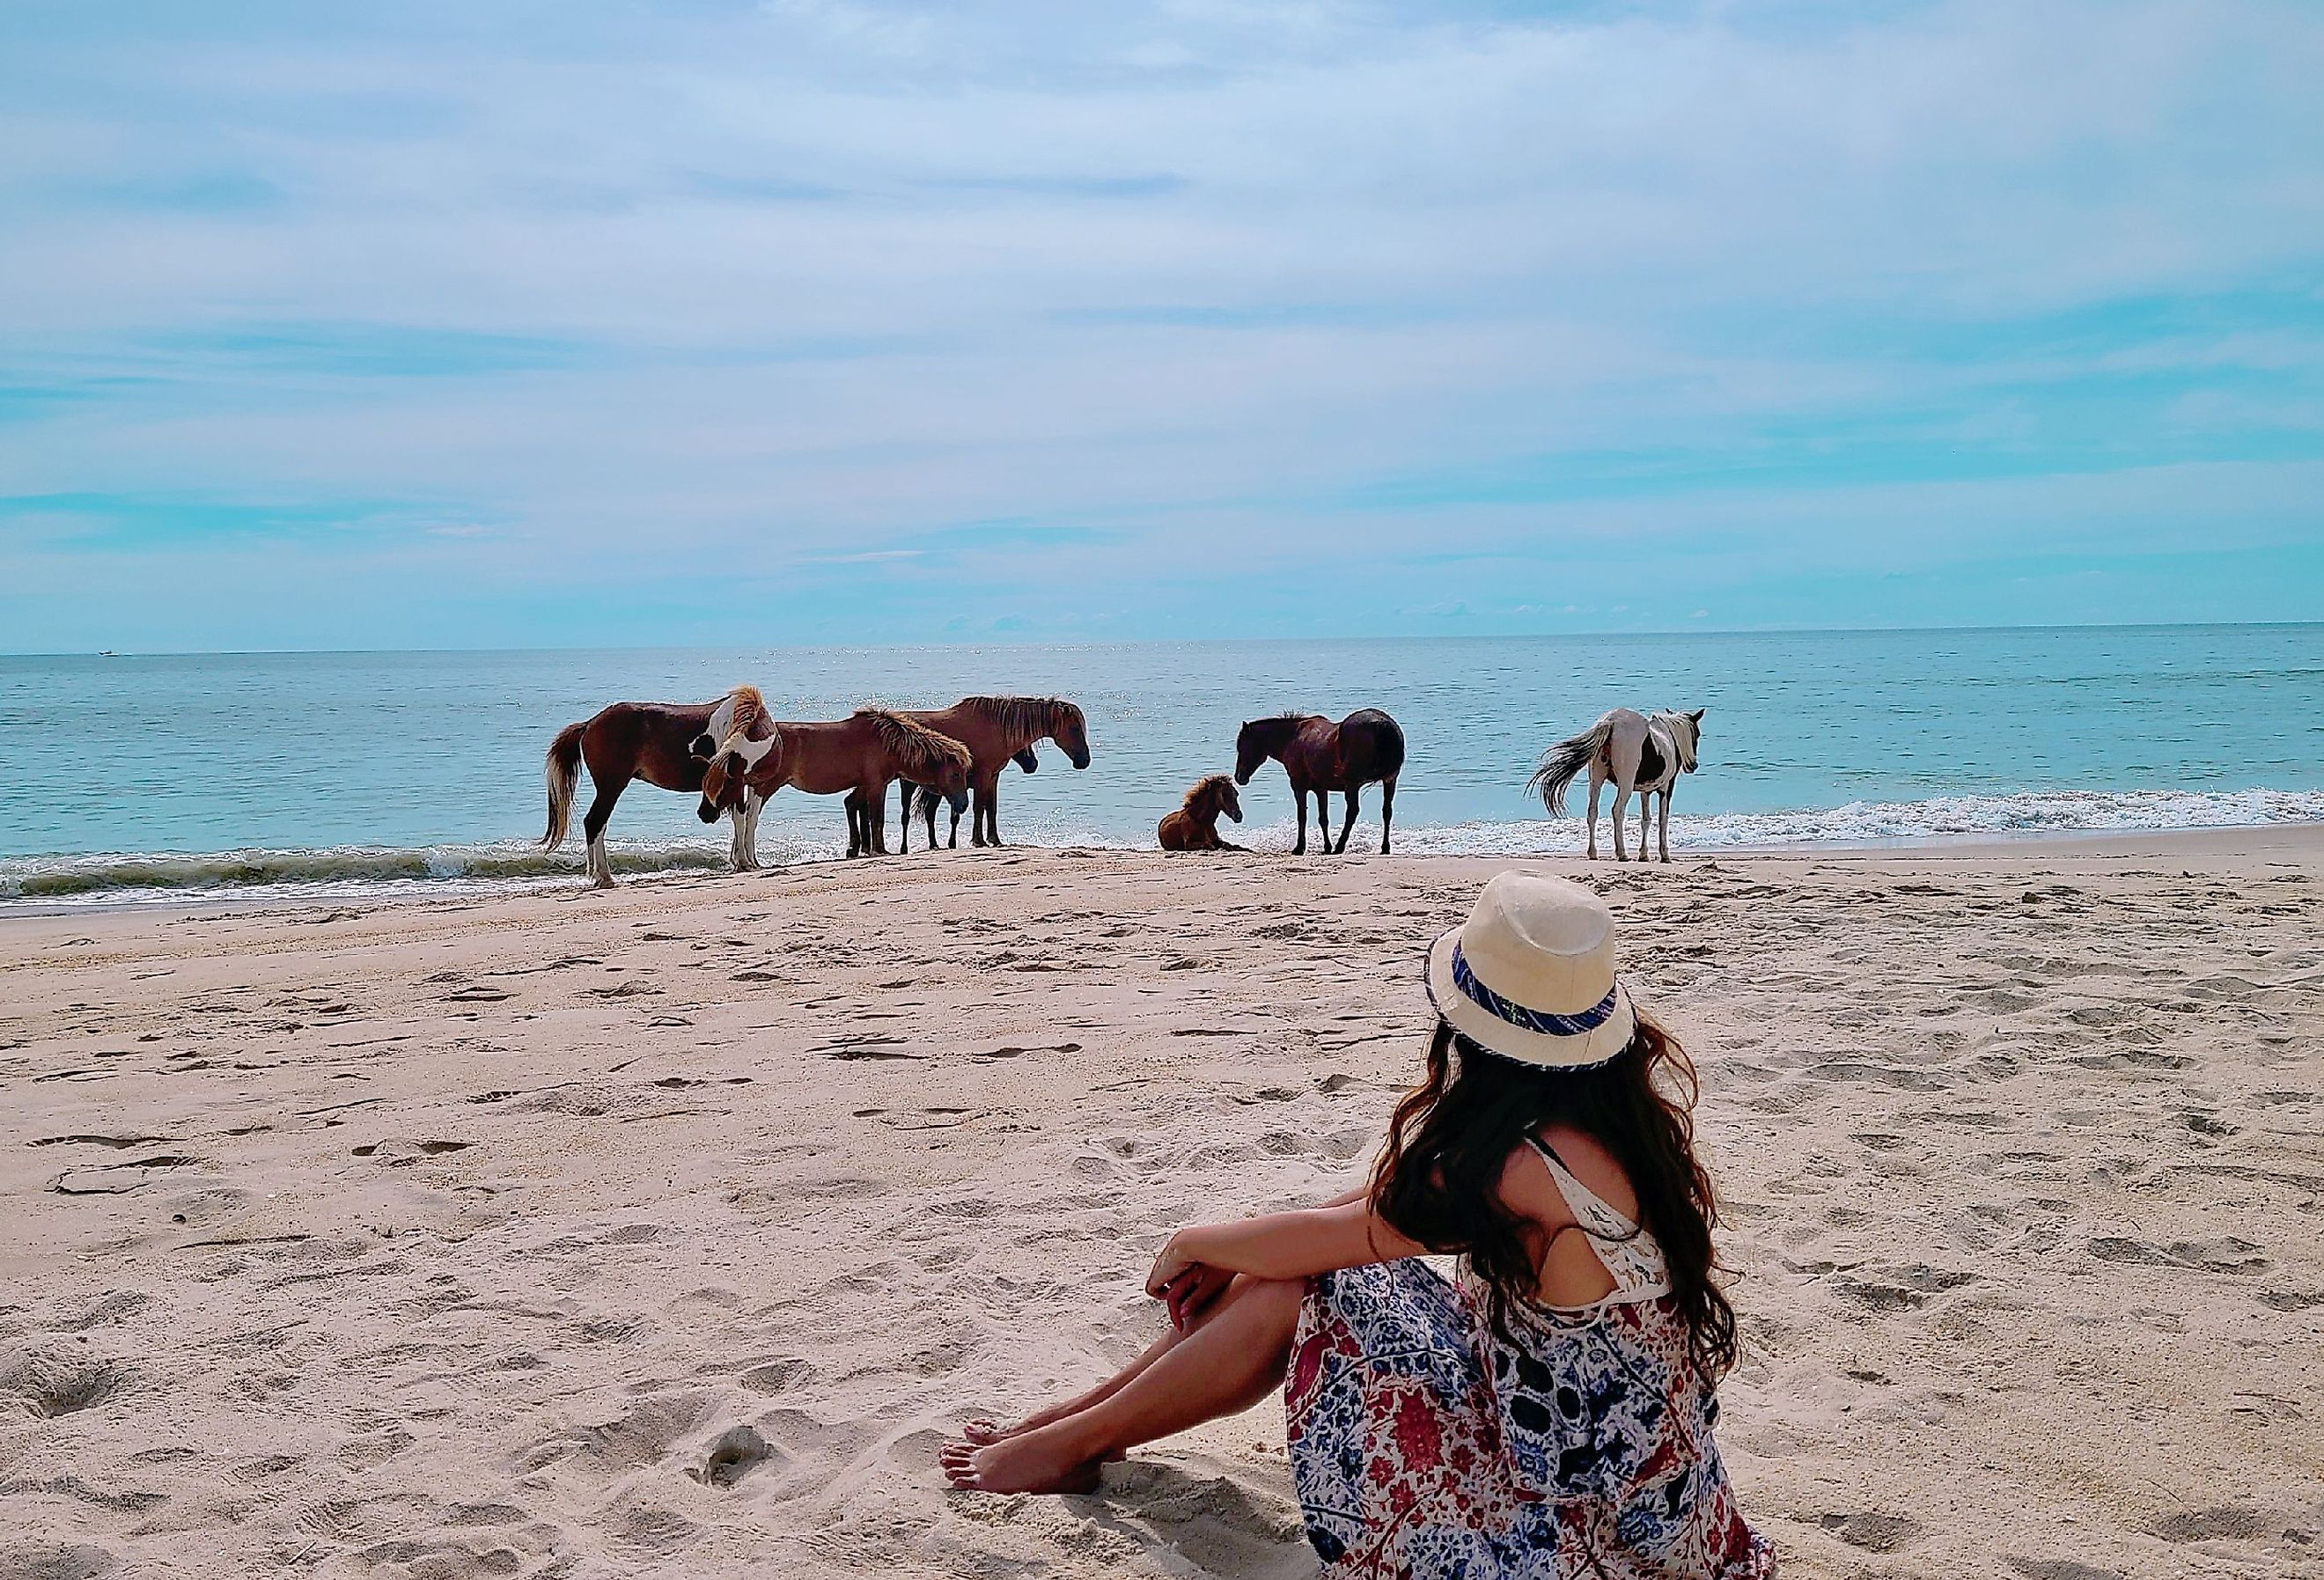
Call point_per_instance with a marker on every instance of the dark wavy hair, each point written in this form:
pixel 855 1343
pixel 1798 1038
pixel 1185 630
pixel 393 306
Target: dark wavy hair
pixel 1438 1180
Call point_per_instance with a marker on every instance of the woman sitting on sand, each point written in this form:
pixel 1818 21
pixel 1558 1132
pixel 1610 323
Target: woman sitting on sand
pixel 1546 1413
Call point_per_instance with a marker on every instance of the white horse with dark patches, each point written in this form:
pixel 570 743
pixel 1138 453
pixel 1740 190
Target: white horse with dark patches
pixel 1638 754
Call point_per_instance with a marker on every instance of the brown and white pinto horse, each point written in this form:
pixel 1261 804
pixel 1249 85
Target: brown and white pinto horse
pixel 651 741
pixel 1195 826
pixel 859 756
pixel 1320 756
pixel 995 729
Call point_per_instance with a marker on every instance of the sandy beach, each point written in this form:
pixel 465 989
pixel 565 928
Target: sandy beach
pixel 669 1230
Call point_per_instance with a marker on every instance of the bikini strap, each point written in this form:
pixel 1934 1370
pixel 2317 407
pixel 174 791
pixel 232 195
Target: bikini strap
pixel 1598 1216
pixel 1627 1252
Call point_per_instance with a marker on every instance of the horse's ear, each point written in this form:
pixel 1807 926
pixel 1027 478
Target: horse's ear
pixel 733 764
pixel 1697 714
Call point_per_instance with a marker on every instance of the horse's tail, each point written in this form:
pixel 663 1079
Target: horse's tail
pixel 1562 762
pixel 927 799
pixel 1390 744
pixel 563 770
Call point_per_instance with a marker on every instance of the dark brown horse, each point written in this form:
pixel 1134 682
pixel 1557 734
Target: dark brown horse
pixel 1195 826
pixel 859 756
pixel 995 729
pixel 651 741
pixel 921 802
pixel 1321 756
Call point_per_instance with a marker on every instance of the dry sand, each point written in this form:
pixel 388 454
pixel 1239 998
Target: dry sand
pixel 668 1230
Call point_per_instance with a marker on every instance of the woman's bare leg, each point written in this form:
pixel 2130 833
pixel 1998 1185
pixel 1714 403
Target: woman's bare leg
pixel 1222 1367
pixel 983 1430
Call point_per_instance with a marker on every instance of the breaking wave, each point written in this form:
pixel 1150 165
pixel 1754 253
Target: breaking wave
pixel 2026 813
pixel 370 871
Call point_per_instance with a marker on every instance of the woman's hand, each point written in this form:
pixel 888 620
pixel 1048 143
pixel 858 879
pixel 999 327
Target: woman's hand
pixel 1171 1262
pixel 1193 1292
pixel 1184 1282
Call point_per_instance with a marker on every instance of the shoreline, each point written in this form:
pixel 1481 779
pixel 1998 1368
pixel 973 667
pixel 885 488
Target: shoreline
pixel 461 1236
pixel 2296 839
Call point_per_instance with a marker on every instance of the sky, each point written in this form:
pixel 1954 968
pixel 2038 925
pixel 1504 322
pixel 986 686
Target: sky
pixel 448 325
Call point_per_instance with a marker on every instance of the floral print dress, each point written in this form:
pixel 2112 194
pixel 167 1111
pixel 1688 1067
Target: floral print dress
pixel 1424 1446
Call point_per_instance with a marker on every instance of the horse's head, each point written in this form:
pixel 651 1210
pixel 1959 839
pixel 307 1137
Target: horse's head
pixel 725 780
pixel 948 775
pixel 1260 739
pixel 1025 760
pixel 722 785
pixel 1229 802
pixel 1070 731
pixel 1688 737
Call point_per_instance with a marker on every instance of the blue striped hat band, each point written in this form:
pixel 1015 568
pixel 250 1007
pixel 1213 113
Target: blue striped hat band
pixel 1517 1015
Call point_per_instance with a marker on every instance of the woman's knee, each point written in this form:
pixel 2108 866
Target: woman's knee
pixel 1275 1303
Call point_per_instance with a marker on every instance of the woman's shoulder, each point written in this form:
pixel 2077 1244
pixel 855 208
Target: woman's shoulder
pixel 1593 1165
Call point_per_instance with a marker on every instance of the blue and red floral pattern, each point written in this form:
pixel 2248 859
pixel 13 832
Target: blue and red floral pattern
pixel 1426 1449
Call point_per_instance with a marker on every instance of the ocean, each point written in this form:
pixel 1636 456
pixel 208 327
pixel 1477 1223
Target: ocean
pixel 340 773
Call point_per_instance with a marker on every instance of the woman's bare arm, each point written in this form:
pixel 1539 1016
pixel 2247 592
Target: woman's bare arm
pixel 1285 1245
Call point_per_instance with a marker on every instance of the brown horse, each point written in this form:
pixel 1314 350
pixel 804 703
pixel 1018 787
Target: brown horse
pixel 859 756
pixel 641 740
pixel 1195 826
pixel 921 802
pixel 995 729
pixel 1321 756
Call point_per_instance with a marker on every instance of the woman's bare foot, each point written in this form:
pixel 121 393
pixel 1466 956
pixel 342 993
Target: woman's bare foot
pixel 984 1431
pixel 1044 1459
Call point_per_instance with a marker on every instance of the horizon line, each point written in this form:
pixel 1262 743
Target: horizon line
pixel 1007 641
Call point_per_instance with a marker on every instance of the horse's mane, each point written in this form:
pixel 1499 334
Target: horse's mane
pixel 749 708
pixel 1209 795
pixel 1685 735
pixel 1033 716
pixel 920 752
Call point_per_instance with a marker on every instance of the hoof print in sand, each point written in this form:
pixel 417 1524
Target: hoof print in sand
pixel 1874 1532
pixel 46 1387
pixel 2212 1525
pixel 738 1451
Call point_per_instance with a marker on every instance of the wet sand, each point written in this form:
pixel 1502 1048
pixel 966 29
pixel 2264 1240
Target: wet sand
pixel 669 1230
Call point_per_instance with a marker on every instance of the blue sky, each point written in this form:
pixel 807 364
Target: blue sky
pixel 809 321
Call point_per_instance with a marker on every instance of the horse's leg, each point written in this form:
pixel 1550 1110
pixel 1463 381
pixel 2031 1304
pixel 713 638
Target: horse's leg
pixel 1349 796
pixel 904 818
pixel 1621 812
pixel 877 800
pixel 980 802
pixel 1665 825
pixel 742 853
pixel 1387 809
pixel 1597 781
pixel 1645 826
pixel 600 813
pixel 1299 799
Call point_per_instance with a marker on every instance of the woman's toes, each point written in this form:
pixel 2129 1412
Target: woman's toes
pixel 983 1430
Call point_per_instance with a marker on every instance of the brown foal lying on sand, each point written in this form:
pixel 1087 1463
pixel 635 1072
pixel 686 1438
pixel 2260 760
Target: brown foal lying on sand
pixel 1195 824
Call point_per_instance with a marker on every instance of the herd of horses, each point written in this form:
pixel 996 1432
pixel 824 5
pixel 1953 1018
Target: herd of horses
pixel 736 757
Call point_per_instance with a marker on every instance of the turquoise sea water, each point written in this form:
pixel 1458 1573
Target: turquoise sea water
pixel 328 773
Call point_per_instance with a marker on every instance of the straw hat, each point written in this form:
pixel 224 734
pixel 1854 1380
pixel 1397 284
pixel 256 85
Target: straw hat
pixel 1530 974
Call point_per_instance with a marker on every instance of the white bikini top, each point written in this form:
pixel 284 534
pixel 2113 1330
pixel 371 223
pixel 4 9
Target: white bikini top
pixel 1632 1258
